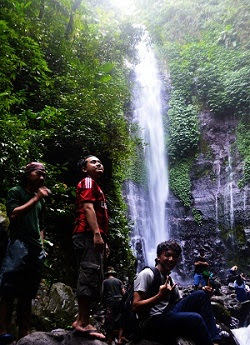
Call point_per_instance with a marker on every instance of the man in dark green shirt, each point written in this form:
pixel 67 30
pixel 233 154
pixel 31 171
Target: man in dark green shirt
pixel 20 273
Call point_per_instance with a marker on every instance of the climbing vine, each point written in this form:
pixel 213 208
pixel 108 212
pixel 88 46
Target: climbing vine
pixel 243 144
pixel 184 131
pixel 180 181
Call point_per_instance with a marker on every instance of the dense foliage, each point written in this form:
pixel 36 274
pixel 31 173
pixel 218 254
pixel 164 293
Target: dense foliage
pixel 65 90
pixel 64 86
pixel 205 46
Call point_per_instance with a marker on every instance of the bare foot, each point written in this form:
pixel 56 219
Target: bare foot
pixel 88 330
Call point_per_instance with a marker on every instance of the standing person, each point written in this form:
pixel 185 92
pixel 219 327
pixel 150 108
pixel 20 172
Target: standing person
pixel 112 292
pixel 201 265
pixel 163 315
pixel 89 237
pixel 20 273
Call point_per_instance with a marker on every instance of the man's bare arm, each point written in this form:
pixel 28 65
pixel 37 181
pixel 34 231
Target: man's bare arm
pixel 93 224
pixel 23 209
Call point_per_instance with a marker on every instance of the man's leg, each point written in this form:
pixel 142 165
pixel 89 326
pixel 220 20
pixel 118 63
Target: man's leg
pixel 166 327
pixel 82 323
pixel 204 281
pixel 199 302
pixel 6 308
pixel 88 262
pixel 83 313
pixel 196 281
pixel 24 305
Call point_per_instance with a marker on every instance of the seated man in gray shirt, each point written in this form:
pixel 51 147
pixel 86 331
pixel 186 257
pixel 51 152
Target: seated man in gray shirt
pixel 164 316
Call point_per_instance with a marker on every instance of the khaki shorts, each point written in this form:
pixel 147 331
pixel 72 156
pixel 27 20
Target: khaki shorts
pixel 89 266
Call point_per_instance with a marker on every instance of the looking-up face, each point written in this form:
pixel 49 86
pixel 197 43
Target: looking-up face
pixel 93 167
pixel 168 260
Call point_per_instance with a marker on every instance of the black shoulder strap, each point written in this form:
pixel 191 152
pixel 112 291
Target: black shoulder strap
pixel 154 288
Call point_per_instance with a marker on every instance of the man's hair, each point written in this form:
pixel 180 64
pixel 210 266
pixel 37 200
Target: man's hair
pixel 170 244
pixel 83 162
pixel 26 170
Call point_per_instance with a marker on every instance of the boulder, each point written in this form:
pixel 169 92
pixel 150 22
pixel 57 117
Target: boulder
pixel 63 337
pixel 53 307
pixel 57 337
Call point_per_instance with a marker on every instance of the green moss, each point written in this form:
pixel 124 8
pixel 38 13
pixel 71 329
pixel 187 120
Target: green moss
pixel 197 216
pixel 183 128
pixel 240 234
pixel 180 181
pixel 243 144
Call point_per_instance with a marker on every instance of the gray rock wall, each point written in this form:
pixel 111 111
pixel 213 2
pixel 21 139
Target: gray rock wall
pixel 216 195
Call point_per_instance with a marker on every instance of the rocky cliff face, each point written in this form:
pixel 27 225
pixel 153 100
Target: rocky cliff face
pixel 224 207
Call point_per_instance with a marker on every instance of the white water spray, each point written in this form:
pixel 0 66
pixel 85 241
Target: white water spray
pixel 148 111
pixel 242 335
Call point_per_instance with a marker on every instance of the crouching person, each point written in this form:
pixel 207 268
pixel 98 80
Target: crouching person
pixel 164 316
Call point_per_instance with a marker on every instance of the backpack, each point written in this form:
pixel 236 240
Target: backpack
pixel 131 328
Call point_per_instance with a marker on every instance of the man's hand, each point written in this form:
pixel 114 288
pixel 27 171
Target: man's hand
pixel 166 288
pixel 98 242
pixel 43 192
pixel 208 288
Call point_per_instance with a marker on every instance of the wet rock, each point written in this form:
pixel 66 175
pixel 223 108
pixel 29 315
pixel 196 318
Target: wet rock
pixel 217 197
pixel 57 337
pixel 53 307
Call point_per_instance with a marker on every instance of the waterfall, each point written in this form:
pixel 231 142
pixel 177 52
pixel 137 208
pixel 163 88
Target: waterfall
pixel 242 335
pixel 229 190
pixel 147 208
pixel 217 170
pixel 230 186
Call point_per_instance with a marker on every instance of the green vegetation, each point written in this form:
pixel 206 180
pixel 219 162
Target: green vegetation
pixel 180 182
pixel 64 87
pixel 65 91
pixel 243 143
pixel 205 47
pixel 184 133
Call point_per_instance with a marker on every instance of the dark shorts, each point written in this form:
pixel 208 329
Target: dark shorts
pixel 21 270
pixel 89 266
pixel 113 317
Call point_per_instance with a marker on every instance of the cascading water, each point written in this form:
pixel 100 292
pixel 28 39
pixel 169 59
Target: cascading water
pixel 242 335
pixel 147 208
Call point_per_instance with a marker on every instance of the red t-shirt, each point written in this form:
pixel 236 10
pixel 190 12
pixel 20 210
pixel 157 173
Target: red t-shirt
pixel 88 190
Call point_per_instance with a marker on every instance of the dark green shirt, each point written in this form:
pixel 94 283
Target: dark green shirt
pixel 26 227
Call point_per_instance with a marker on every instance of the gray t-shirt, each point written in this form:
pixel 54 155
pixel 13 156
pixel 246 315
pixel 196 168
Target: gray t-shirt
pixel 142 283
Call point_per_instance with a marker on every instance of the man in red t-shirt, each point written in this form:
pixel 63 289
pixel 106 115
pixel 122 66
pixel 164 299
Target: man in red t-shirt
pixel 89 235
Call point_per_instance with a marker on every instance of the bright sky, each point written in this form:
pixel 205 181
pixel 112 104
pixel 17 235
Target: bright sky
pixel 126 6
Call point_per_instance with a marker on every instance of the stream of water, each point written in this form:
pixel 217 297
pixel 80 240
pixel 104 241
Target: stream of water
pixel 242 335
pixel 147 207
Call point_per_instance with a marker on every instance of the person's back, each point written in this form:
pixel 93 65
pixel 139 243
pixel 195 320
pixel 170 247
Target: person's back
pixel 112 289
pixel 112 292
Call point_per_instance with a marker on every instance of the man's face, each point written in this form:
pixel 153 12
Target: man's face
pixel 36 178
pixel 168 259
pixel 94 167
